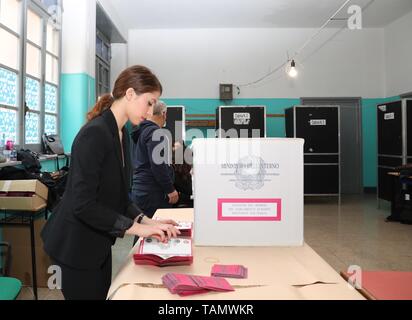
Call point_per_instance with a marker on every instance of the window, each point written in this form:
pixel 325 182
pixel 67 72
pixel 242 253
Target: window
pixel 103 57
pixel 10 34
pixel 29 87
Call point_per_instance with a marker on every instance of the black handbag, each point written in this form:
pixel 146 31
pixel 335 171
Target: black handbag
pixel 52 144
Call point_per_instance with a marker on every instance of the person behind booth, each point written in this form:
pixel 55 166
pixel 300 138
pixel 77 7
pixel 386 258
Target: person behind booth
pixel 182 159
pixel 152 180
pixel 95 208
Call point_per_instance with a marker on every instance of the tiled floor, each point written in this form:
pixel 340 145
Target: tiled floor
pixel 353 234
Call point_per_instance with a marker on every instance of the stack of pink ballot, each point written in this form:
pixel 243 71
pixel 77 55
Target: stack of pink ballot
pixel 176 252
pixel 186 285
pixel 229 271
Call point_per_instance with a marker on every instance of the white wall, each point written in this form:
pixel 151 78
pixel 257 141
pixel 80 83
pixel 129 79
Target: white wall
pixel 114 17
pixel 192 62
pixel 79 37
pixel 398 56
pixel 119 61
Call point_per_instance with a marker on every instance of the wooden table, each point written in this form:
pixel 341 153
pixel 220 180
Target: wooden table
pixel 275 273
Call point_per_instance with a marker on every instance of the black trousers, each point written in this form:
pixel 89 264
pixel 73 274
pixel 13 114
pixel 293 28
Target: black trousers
pixel 90 284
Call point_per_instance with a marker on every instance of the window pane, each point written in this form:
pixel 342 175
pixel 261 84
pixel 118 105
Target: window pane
pixel 50 98
pixel 52 40
pixel 105 54
pixel 8 124
pixel 33 93
pixel 10 14
pixel 32 128
pixel 49 3
pixel 34 27
pixel 8 88
pixel 50 124
pixel 33 61
pixel 99 46
pixel 9 50
pixel 52 69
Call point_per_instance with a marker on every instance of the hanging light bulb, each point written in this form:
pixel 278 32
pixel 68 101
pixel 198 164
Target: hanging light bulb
pixel 293 72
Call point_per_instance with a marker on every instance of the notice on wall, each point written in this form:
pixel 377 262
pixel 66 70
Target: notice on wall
pixel 319 122
pixel 389 116
pixel 241 118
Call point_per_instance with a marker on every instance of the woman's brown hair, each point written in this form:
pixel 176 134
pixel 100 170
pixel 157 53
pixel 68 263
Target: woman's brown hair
pixel 140 78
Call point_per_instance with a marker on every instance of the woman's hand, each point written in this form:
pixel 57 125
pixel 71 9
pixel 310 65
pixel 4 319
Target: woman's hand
pixel 154 222
pixel 161 232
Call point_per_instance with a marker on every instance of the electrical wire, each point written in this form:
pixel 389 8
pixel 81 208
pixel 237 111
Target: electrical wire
pixel 297 52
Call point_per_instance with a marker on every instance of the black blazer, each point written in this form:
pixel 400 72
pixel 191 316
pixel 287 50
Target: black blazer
pixel 95 207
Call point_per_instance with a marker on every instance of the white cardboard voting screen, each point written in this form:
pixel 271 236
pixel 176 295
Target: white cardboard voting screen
pixel 248 192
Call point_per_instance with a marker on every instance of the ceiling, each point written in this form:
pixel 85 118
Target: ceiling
pixel 148 14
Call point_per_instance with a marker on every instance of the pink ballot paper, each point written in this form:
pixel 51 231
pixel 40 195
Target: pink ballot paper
pixel 229 271
pixel 185 285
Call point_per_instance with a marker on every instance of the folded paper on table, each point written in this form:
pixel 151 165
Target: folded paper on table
pixel 185 285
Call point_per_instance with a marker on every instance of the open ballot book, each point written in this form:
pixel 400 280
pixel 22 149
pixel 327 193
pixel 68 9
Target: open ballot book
pixel 176 252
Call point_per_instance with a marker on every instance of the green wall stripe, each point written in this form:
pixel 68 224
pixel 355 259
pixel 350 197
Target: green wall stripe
pixel 77 96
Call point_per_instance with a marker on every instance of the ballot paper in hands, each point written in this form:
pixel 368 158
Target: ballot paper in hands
pixel 184 227
pixel 185 285
pixel 172 253
pixel 229 271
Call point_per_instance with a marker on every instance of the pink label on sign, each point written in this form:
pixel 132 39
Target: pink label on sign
pixel 249 209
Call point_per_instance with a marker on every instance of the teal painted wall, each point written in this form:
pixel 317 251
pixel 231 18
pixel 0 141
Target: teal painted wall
pixel 78 95
pixel 276 126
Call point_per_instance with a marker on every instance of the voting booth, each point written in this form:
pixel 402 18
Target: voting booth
pixel 394 142
pixel 248 192
pixel 244 121
pixel 176 122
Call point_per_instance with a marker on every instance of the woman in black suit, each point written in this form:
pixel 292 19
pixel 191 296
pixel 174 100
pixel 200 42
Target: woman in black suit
pixel 96 209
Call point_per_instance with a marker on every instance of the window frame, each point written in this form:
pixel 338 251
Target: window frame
pixel 18 72
pixel 102 63
pixel 22 109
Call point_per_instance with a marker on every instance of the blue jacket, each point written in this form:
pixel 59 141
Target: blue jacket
pixel 147 175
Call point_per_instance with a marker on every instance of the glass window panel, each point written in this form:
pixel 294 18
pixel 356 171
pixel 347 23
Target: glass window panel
pixel 52 69
pixel 33 93
pixel 10 14
pixel 9 50
pixel 32 128
pixel 8 88
pixel 50 124
pixel 105 54
pixel 49 3
pixel 52 40
pixel 33 61
pixel 99 46
pixel 50 98
pixel 8 124
pixel 34 27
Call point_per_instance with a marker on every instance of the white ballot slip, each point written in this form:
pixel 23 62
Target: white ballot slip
pixel 174 247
